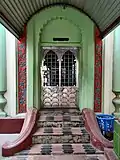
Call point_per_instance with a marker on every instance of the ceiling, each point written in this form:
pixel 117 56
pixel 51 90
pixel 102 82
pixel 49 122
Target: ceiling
pixel 15 13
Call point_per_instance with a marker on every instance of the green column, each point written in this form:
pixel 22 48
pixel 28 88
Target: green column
pixel 3 79
pixel 116 72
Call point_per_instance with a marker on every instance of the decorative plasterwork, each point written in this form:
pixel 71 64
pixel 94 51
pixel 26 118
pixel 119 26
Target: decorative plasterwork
pixel 56 18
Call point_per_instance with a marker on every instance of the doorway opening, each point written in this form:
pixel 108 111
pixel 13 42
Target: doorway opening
pixel 59 85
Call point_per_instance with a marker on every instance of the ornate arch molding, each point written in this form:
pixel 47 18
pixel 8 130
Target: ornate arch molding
pixel 64 5
pixel 97 63
pixel 52 19
pixel 41 30
pixel 56 18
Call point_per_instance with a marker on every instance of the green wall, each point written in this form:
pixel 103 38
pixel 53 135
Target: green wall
pixel 61 28
pixel 3 70
pixel 116 141
pixel 57 22
pixel 3 79
pixel 116 62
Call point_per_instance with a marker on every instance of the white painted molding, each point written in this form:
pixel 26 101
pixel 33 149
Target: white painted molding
pixel 107 73
pixel 11 74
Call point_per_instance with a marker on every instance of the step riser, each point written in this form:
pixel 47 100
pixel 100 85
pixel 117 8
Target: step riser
pixel 61 157
pixel 56 114
pixel 60 107
pixel 61 139
pixel 63 119
pixel 61 152
pixel 61 149
pixel 60 124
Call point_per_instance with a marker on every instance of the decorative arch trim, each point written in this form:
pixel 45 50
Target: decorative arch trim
pixel 56 18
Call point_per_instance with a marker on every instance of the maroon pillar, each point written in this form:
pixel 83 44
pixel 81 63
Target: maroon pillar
pixel 22 73
pixel 98 72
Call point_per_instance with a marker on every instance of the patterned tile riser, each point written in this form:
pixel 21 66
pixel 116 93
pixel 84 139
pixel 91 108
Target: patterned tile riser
pixel 60 149
pixel 55 113
pixel 61 139
pixel 60 124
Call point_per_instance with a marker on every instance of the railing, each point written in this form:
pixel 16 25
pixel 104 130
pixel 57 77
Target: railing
pixel 97 139
pixel 24 140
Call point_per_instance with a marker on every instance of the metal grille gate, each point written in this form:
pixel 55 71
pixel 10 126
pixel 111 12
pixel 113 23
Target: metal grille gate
pixel 59 76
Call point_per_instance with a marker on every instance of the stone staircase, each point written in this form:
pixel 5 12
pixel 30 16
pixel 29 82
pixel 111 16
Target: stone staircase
pixel 64 126
pixel 61 132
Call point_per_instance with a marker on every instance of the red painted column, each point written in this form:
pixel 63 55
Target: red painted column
pixel 22 79
pixel 98 72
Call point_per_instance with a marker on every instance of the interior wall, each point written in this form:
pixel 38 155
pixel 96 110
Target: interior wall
pixel 35 28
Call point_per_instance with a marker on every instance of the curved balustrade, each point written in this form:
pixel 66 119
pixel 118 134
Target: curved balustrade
pixel 24 140
pixel 97 139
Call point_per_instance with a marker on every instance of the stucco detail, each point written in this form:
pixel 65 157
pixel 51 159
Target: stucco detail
pixel 56 18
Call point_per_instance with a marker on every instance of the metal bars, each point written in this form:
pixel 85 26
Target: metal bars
pixel 68 77
pixel 51 70
pixel 59 76
pixel 59 71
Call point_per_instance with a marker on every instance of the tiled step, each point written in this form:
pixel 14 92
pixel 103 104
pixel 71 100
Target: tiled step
pixel 60 107
pixel 59 157
pixel 57 111
pixel 60 135
pixel 60 124
pixel 60 149
pixel 60 121
pixel 62 118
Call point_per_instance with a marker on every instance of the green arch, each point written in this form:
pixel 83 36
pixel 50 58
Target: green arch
pixel 37 27
pixel 60 27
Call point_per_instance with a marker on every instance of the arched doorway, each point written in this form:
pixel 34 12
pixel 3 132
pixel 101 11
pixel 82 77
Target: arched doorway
pixel 59 27
pixel 59 77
